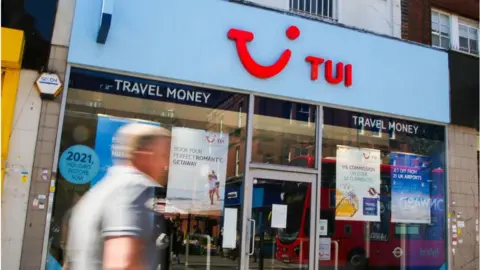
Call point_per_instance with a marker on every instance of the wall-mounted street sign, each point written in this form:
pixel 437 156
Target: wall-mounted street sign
pixel 49 85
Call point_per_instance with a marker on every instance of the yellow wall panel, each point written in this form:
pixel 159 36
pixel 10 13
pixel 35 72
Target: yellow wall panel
pixel 9 96
pixel 12 48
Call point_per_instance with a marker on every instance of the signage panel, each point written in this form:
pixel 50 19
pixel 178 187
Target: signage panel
pixel 379 74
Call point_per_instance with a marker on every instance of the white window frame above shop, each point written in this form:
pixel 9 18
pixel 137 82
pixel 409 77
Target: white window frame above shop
pixel 455 24
pixel 436 28
pixel 471 35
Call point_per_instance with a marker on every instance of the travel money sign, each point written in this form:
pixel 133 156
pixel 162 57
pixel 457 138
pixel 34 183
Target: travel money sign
pixel 343 72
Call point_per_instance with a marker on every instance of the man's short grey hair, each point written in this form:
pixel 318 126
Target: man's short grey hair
pixel 135 137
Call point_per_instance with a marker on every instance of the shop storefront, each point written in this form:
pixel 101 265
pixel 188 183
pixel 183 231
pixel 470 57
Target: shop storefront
pixel 295 143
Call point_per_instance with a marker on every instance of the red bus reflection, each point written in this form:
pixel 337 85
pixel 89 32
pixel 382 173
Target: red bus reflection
pixel 363 245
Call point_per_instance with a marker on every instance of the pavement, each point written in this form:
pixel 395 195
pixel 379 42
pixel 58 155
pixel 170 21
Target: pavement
pixel 196 262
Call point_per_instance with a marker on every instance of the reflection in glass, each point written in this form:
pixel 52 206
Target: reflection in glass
pixel 195 217
pixel 412 181
pixel 282 130
pixel 283 245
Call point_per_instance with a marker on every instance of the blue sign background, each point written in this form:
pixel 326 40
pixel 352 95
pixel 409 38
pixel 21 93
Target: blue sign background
pixel 411 180
pixel 79 164
pixel 106 129
pixel 388 75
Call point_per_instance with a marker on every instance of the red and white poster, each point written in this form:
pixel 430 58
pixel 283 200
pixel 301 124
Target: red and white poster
pixel 197 171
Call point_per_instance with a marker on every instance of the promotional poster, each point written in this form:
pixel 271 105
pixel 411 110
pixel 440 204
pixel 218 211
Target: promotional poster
pixel 358 184
pixel 197 171
pixel 410 188
pixel 107 126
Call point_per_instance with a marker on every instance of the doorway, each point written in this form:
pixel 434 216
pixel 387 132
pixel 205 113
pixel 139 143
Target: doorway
pixel 279 225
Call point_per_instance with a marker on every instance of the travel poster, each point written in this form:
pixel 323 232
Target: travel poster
pixel 107 126
pixel 197 171
pixel 410 176
pixel 357 184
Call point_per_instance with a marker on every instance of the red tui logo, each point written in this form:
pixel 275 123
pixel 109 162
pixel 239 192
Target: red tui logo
pixel 242 37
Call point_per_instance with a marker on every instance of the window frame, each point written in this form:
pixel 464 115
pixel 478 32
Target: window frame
pixel 438 32
pixel 468 38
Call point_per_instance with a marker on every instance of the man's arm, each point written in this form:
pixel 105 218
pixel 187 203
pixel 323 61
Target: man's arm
pixel 123 229
pixel 123 252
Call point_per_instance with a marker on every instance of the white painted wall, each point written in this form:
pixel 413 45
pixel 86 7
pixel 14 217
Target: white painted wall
pixel 20 159
pixel 379 16
pixel 63 22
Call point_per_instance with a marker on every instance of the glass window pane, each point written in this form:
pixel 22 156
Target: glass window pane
pixel 402 173
pixel 472 33
pixel 283 131
pixel 444 19
pixel 276 245
pixel 474 46
pixel 445 42
pixel 435 17
pixel 202 163
pixel 444 30
pixel 463 44
pixel 435 40
pixel 463 31
pixel 435 27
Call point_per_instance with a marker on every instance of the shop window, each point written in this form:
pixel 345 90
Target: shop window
pixel 380 191
pixel 283 131
pixel 440 30
pixel 468 39
pixel 203 122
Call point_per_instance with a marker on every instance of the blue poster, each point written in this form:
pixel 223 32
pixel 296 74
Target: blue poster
pixel 107 126
pixel 79 164
pixel 411 180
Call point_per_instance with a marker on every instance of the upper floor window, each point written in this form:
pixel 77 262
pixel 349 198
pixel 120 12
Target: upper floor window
pixel 468 38
pixel 440 30
pixel 322 8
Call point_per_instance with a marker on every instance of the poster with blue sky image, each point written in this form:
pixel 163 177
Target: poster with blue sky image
pixel 411 180
pixel 107 126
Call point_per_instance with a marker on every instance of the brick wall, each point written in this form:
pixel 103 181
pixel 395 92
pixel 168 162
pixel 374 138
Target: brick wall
pixel 464 192
pixel 44 155
pixel 416 19
pixel 464 8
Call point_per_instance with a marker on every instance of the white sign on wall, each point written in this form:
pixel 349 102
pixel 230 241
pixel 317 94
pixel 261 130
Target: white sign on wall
pixel 324 253
pixel 49 85
pixel 358 184
pixel 197 171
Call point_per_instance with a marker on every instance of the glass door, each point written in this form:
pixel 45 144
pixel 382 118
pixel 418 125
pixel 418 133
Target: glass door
pixel 279 228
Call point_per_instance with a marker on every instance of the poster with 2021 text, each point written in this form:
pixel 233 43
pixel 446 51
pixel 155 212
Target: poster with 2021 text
pixel 357 184
pixel 197 170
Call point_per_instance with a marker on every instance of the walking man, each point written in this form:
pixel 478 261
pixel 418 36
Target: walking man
pixel 114 225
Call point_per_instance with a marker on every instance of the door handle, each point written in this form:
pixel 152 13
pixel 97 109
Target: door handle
pixel 252 221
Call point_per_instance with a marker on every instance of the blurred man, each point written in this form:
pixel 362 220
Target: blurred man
pixel 114 226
